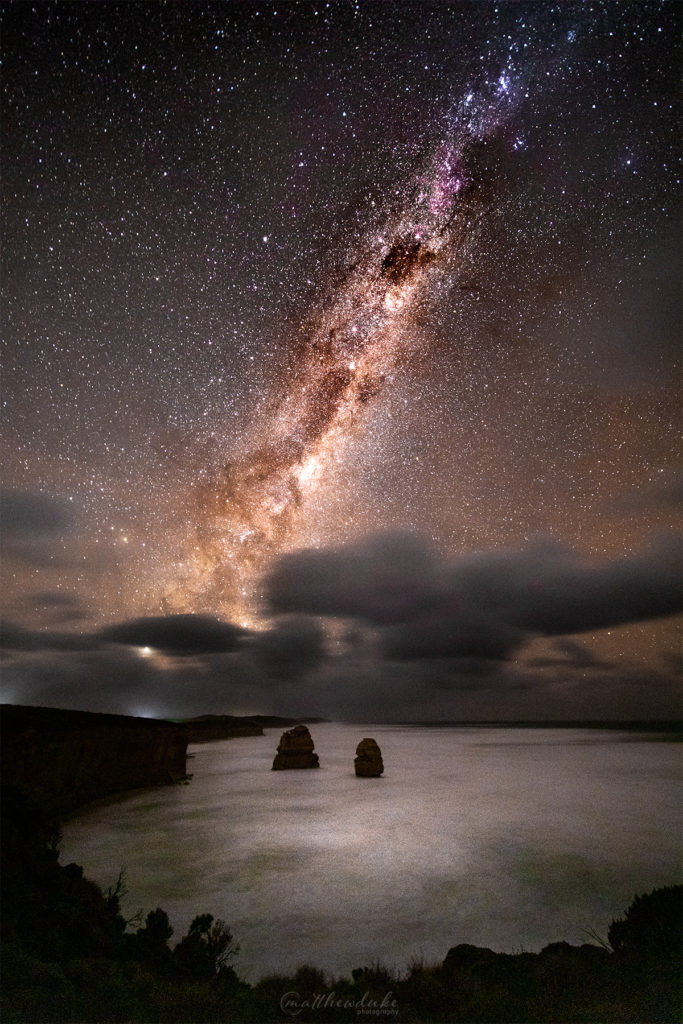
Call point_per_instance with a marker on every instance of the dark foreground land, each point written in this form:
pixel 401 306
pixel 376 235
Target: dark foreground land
pixel 69 956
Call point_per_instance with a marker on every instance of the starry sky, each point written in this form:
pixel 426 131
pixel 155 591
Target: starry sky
pixel 341 358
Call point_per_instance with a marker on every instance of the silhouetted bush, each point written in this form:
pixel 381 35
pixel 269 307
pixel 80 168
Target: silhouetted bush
pixel 152 940
pixel 205 949
pixel 652 926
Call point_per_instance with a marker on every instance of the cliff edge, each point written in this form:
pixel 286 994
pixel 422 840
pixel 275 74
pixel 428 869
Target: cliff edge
pixel 64 759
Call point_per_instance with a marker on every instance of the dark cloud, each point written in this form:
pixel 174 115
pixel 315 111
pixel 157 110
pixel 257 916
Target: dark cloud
pixel 672 662
pixel 430 641
pixel 570 653
pixel 57 606
pixel 295 646
pixel 555 591
pixel 449 630
pixel 666 492
pixel 179 635
pixel 25 514
pixel 383 579
pixel 30 523
pixel 670 491
pixel 40 530
pixel 14 637
pixel 119 680
pixel 53 599
pixel 483 605
pixel 176 634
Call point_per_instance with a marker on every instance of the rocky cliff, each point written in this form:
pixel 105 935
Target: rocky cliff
pixel 64 759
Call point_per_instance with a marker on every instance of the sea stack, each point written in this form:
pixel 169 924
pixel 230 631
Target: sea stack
pixel 295 750
pixel 368 762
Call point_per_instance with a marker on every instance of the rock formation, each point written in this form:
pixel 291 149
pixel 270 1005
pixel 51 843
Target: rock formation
pixel 295 750
pixel 368 762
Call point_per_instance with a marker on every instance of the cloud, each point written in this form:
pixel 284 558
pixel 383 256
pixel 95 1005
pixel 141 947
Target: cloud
pixel 189 635
pixel 483 605
pixel 177 635
pixel 665 493
pixel 411 637
pixel 31 522
pixel 548 589
pixel 292 648
pixel 14 637
pixel 58 606
pixel 53 599
pixel 383 578
pixel 450 630
pixel 570 653
pixel 27 514
pixel 118 680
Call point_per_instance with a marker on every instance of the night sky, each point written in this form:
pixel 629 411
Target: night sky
pixel 341 358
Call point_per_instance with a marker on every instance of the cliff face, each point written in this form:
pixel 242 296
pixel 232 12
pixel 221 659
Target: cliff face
pixel 64 759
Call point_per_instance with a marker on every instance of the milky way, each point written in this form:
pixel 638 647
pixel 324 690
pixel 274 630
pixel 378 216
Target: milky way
pixel 344 356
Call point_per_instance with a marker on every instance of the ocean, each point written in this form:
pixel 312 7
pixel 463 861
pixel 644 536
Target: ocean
pixel 503 837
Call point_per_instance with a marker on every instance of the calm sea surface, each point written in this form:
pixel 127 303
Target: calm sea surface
pixel 508 838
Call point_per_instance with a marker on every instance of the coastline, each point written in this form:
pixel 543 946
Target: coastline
pixel 467 980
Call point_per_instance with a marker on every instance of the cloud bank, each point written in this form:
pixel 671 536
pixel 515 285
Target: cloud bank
pixel 482 605
pixel 382 629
